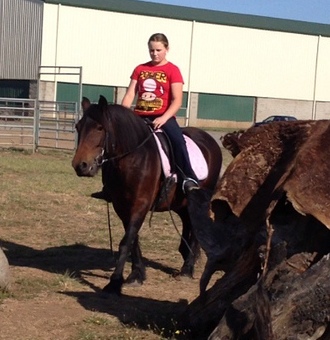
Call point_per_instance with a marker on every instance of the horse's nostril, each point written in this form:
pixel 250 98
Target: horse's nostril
pixel 83 166
pixel 80 168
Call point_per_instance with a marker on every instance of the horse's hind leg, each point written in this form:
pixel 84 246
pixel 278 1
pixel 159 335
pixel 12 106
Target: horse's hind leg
pixel 189 246
pixel 138 273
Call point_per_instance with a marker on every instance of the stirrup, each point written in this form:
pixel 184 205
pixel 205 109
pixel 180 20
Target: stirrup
pixel 189 184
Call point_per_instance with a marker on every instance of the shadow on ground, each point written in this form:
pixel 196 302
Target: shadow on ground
pixel 161 316
pixel 145 313
pixel 73 258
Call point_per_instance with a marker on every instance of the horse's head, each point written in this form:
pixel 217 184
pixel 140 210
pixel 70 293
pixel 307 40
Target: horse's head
pixel 91 130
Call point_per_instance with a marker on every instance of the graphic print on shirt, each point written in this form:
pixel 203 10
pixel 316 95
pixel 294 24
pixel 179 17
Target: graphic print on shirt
pixel 150 91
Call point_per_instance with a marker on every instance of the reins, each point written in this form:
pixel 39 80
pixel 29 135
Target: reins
pixel 106 149
pixel 109 227
pixel 172 218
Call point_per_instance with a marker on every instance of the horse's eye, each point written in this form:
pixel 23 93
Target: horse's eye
pixel 100 128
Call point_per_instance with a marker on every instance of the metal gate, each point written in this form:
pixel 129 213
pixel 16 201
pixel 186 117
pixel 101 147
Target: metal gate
pixel 55 121
pixel 36 123
pixel 55 125
pixel 31 124
pixel 17 123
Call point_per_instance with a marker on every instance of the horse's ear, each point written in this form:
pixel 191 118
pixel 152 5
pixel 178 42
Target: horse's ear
pixel 85 103
pixel 103 102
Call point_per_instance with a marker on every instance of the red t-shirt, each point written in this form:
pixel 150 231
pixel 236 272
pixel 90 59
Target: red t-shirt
pixel 154 87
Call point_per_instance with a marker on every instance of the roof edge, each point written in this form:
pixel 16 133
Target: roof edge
pixel 200 15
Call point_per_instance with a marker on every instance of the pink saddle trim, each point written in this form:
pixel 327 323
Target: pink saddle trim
pixel 197 160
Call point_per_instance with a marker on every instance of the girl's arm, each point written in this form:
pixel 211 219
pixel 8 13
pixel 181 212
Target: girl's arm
pixel 130 94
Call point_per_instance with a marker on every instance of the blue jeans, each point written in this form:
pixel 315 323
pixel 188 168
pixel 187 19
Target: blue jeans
pixel 174 133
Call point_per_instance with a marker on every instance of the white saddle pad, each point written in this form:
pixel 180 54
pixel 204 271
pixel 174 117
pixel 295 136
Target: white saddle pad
pixel 197 160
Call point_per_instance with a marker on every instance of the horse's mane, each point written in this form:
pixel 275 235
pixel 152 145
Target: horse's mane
pixel 128 128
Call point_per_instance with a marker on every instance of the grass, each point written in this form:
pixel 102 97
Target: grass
pixel 33 185
pixel 4 294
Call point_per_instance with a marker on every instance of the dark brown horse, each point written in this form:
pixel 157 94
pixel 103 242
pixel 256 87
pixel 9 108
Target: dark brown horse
pixel 114 138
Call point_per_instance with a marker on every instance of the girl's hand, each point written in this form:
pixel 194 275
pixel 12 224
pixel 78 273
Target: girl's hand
pixel 159 122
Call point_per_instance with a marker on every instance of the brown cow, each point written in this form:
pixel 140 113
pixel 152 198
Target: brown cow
pixel 278 158
pixel 282 160
pixel 268 161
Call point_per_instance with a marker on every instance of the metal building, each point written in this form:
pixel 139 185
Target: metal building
pixel 237 68
pixel 20 45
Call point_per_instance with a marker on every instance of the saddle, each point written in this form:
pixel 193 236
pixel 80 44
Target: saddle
pixel 197 160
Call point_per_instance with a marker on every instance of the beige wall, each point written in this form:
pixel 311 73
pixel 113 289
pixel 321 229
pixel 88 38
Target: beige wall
pixel 276 67
pixel 300 109
pixel 268 106
pixel 253 62
pixel 323 71
pixel 108 45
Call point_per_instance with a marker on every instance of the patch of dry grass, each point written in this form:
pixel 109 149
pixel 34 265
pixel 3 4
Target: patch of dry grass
pixel 56 239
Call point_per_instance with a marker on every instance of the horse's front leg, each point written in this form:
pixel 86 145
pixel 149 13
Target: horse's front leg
pixel 138 273
pixel 128 244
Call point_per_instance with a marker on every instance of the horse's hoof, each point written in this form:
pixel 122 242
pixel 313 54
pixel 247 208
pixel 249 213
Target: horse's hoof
pixel 112 288
pixel 135 279
pixel 178 275
pixel 187 272
pixel 133 284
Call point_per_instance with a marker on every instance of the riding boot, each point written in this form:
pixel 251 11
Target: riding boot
pixel 189 184
pixel 174 132
pixel 102 195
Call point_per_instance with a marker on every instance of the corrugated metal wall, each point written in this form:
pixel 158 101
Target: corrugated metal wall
pixel 20 60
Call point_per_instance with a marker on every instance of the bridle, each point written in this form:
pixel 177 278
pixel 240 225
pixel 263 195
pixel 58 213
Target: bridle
pixel 99 159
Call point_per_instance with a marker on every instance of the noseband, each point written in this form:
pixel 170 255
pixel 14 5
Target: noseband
pixel 99 160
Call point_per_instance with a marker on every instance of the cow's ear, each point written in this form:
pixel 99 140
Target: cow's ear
pixel 85 103
pixel 103 103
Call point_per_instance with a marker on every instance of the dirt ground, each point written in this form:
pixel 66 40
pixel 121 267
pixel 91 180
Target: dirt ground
pixel 56 239
pixel 78 311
